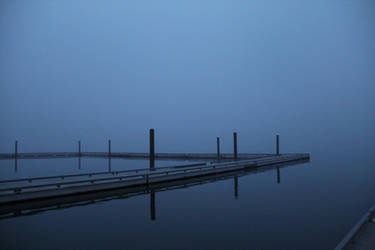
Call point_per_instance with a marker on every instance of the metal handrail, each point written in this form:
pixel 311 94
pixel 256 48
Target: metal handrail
pixel 94 173
pixel 120 178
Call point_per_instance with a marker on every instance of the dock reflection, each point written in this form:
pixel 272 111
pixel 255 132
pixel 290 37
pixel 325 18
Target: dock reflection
pixel 33 207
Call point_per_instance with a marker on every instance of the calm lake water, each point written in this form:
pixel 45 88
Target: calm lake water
pixel 192 70
pixel 313 207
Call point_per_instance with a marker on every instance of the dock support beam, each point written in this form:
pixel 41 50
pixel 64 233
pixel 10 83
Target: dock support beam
pixel 109 147
pixel 79 148
pixel 152 149
pixel 218 147
pixel 277 145
pixel 235 155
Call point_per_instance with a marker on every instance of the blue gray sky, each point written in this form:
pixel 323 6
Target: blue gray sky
pixel 193 70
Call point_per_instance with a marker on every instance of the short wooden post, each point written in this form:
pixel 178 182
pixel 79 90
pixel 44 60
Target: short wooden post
pixel 235 155
pixel 277 145
pixel 16 149
pixel 109 147
pixel 218 148
pixel 79 148
pixel 152 149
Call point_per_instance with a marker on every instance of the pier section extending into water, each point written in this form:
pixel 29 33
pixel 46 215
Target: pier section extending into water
pixel 32 206
pixel 20 190
pixel 40 190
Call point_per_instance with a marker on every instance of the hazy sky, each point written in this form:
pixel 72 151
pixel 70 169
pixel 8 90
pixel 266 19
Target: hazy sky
pixel 193 70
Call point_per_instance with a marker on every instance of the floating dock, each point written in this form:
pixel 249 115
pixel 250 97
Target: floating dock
pixel 21 190
pixel 17 194
pixel 32 206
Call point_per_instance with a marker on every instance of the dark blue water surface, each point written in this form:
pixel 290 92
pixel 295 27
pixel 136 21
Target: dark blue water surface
pixel 312 207
pixel 192 70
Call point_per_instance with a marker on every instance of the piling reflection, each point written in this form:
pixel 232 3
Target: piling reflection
pixel 236 187
pixel 152 204
pixel 278 175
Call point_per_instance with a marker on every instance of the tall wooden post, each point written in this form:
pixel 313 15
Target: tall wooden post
pixel 218 148
pixel 15 165
pixel 235 155
pixel 15 149
pixel 109 164
pixel 277 145
pixel 152 149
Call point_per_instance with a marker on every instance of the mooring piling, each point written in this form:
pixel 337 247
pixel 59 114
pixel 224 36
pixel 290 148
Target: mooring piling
pixel 218 147
pixel 152 149
pixel 277 145
pixel 109 147
pixel 15 165
pixel 15 149
pixel 235 145
pixel 79 148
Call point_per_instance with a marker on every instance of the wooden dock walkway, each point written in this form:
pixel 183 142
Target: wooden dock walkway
pixel 41 189
pixel 15 191
pixel 29 207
